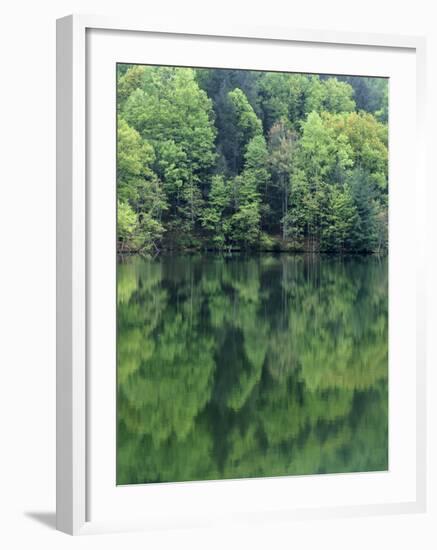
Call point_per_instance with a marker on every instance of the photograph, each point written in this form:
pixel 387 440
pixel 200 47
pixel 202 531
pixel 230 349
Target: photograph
pixel 219 290
pixel 252 274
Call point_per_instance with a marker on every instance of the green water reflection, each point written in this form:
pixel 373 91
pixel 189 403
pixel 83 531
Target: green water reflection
pixel 232 367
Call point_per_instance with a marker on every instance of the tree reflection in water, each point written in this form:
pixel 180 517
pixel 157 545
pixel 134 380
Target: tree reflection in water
pixel 237 366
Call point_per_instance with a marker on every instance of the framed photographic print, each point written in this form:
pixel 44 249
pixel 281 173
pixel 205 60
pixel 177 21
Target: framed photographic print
pixel 240 328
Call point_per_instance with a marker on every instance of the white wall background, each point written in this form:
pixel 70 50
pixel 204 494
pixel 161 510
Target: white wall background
pixel 27 286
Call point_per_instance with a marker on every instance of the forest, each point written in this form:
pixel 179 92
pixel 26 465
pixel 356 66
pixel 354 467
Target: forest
pixel 238 160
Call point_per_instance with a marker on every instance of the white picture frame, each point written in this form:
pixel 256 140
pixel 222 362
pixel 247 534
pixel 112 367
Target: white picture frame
pixel 74 397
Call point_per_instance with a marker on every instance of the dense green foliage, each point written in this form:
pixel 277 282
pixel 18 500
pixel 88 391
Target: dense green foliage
pixel 230 159
pixel 247 366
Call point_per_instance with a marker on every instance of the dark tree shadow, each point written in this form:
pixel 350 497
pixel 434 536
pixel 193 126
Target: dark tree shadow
pixel 45 518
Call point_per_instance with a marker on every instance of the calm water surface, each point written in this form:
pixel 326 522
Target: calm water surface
pixel 232 367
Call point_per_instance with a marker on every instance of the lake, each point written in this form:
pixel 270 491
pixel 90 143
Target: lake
pixel 247 366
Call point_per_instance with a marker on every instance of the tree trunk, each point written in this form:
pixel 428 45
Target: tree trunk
pixel 285 212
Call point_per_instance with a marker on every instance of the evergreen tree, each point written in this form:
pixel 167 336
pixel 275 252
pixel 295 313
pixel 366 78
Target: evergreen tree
pixel 341 219
pixel 214 215
pixel 245 126
pixel 245 222
pixel 363 234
